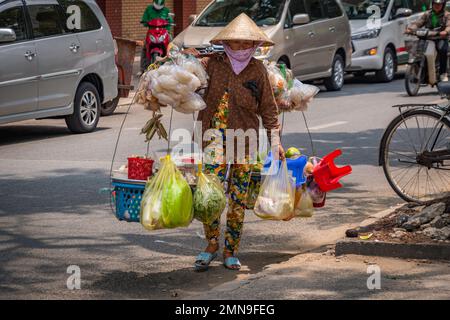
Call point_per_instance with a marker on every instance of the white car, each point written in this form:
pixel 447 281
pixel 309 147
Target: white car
pixel 378 34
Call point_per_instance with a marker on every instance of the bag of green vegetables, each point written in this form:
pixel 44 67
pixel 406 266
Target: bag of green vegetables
pixel 209 198
pixel 167 201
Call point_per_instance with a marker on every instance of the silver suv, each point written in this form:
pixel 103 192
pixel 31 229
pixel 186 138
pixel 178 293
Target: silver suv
pixel 56 60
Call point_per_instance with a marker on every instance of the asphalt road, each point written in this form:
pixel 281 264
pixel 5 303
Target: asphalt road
pixel 54 215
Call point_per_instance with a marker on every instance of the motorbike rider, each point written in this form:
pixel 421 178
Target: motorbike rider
pixel 436 19
pixel 157 10
pixel 154 11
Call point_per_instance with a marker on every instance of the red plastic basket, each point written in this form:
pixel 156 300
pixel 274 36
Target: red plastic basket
pixel 140 169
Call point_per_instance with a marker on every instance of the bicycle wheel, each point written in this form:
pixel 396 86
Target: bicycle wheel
pixel 402 148
pixel 413 79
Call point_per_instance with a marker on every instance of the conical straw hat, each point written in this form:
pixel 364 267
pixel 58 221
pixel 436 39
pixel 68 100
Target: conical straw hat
pixel 242 28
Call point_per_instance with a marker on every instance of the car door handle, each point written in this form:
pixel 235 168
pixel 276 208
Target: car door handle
pixel 30 55
pixel 74 48
pixel 332 29
pixel 311 34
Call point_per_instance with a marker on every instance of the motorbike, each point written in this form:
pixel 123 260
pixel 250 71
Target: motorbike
pixel 423 64
pixel 156 42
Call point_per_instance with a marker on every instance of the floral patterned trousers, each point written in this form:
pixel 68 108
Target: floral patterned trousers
pixel 238 186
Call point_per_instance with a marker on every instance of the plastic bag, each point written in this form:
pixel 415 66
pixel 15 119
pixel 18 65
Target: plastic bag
pixel 193 103
pixel 167 201
pixel 305 206
pixel 194 66
pixel 209 199
pixel 276 198
pixel 302 94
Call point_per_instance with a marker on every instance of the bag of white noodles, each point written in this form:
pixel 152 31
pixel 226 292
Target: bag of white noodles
pixel 276 197
pixel 302 94
pixel 209 198
pixel 167 202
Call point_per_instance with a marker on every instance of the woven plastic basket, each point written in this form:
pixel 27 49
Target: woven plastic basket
pixel 127 198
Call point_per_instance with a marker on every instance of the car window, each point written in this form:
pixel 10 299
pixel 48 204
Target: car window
pixel 297 7
pixel 418 6
pixel 314 9
pixel 332 9
pixel 45 20
pixel 263 12
pixel 14 18
pixel 88 20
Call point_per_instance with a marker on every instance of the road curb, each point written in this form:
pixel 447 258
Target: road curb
pixel 393 250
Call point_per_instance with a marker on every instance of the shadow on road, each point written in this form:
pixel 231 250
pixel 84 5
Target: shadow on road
pixel 179 283
pixel 13 134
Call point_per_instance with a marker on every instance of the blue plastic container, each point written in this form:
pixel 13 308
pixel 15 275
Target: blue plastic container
pixel 128 199
pixel 297 166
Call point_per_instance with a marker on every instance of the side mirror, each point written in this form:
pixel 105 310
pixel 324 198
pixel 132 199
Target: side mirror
pixel 192 18
pixel 403 13
pixel 7 35
pixel 300 19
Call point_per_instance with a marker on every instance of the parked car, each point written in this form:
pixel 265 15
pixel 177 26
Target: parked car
pixel 312 37
pixel 54 68
pixel 379 45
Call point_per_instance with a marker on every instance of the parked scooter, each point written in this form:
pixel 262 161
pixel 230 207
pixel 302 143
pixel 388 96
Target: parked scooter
pixel 423 64
pixel 156 42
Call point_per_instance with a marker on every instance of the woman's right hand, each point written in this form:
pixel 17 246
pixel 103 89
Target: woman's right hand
pixel 191 51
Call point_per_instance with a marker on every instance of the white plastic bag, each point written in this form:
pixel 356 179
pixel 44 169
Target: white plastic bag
pixel 276 197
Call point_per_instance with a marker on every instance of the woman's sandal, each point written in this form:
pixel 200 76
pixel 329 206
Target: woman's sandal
pixel 232 263
pixel 203 261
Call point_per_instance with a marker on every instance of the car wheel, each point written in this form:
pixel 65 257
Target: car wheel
pixel 336 81
pixel 387 73
pixel 86 109
pixel 109 107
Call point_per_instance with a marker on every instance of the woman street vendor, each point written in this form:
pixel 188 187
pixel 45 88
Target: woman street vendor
pixel 238 94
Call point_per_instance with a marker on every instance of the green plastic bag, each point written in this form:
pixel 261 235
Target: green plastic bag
pixel 167 202
pixel 209 198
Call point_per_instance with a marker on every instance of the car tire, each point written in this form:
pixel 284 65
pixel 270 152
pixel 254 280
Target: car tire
pixel 387 73
pixel 86 109
pixel 109 107
pixel 336 81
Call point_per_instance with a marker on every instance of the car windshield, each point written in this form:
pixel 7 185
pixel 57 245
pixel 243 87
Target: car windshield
pixel 222 12
pixel 364 9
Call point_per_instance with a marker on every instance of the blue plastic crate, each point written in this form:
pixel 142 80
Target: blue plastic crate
pixel 297 166
pixel 128 199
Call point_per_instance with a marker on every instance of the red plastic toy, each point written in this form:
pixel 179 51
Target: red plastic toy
pixel 327 174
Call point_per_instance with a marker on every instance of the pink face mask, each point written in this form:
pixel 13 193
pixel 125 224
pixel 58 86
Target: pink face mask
pixel 239 58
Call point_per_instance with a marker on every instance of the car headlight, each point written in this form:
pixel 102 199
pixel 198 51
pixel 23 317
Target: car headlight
pixel 152 39
pixel 263 51
pixel 162 38
pixel 369 34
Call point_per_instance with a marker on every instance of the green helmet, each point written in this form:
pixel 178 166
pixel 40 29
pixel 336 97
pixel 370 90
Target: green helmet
pixel 159 4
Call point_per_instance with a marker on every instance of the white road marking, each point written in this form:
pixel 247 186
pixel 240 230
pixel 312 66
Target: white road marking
pixel 328 125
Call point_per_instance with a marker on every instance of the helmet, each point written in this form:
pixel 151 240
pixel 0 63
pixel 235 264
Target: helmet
pixel 159 4
pixel 439 1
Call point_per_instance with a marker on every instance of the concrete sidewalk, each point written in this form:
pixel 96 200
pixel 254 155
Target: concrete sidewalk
pixel 319 275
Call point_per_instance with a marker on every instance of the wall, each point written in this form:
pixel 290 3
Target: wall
pixel 124 16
